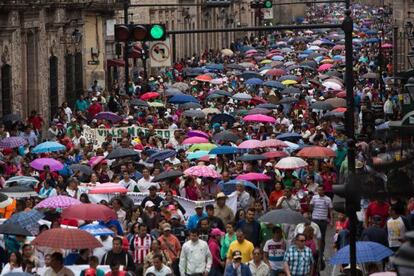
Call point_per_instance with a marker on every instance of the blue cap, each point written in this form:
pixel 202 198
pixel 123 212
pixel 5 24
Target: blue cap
pixel 216 125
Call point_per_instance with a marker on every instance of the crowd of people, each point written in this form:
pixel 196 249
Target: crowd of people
pixel 300 87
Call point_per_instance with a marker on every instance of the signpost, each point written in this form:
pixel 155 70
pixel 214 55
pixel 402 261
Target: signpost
pixel 160 53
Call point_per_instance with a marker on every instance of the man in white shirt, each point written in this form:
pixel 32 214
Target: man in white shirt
pixel 174 160
pixel 158 268
pixel 145 182
pixel 56 266
pixel 195 256
pixel 243 197
pixel 128 182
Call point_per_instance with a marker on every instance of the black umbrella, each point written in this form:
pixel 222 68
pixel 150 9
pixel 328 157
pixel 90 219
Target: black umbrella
pixel 14 229
pixel 226 136
pixel 235 67
pixel 122 153
pixel 251 157
pixel 291 90
pixel 321 106
pixel 222 93
pixel 190 105
pixel 221 118
pixel 310 63
pixel 138 102
pixel 19 192
pixel 11 118
pixel 194 113
pixel 167 175
pixel 282 216
pixel 81 168
pixel 249 75
pixel 288 100
pixel 268 106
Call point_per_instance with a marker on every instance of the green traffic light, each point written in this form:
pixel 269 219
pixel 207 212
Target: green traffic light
pixel 267 4
pixel 157 32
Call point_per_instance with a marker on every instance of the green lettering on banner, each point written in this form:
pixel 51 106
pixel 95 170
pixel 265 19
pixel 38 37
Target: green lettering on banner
pixel 119 132
pixel 131 131
pixel 102 132
pixel 167 134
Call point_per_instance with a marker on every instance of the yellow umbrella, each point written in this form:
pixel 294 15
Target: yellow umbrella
pixel 328 60
pixel 156 104
pixel 227 52
pixel 289 82
pixel 206 147
pixel 266 61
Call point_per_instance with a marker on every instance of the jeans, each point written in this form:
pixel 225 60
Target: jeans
pixel 323 225
pixel 276 272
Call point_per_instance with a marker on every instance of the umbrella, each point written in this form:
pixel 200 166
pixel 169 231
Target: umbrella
pixel 329 84
pixel 251 157
pixel 211 110
pixel 276 72
pixel 273 143
pixel 97 230
pixel 366 252
pixel 109 116
pixel 156 104
pixel 195 140
pixel 13 229
pixel 290 163
pixel 221 118
pixel 172 92
pixel 229 186
pixel 257 110
pixel 40 163
pixel 204 78
pixel 370 75
pixel 12 142
pixel 11 118
pixel 325 67
pixel 161 155
pixel 222 93
pixel 321 106
pixel 224 150
pixel 235 67
pixel 5 200
pixel 81 168
pixel 254 81
pixel 181 85
pixel 253 177
pixel 180 99
pixel 138 102
pixel 267 105
pixel 197 154
pixel 202 171
pixel 289 136
pixel 316 152
pixel 242 97
pixel 259 118
pixel 285 216
pixel 274 84
pixel 57 202
pixel 48 147
pixel 191 105
pixel 288 100
pixel 66 238
pixel 291 90
pixel 227 52
pixel 26 218
pixel 167 175
pixel 205 146
pixel 336 102
pixel 226 136
pixel 198 114
pixel 149 96
pixel 19 192
pixel 89 211
pixel 289 82
pixel 121 153
pixel 22 180
pixel 250 144
pixel 197 133
pixel 275 154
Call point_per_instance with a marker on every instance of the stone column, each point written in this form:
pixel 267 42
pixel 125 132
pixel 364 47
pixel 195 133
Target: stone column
pixel 43 68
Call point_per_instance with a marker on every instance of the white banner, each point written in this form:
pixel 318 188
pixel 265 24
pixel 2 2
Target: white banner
pixel 76 269
pixel 188 205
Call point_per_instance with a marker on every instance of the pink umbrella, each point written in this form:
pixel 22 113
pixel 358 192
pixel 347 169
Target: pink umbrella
pixel 195 140
pixel 290 163
pixel 325 67
pixel 95 160
pixel 253 177
pixel 202 171
pixel 386 46
pixel 273 143
pixel 260 118
pixel 57 202
pixel 40 163
pixel 197 133
pixel 250 144
pixel 108 188
pixel 251 51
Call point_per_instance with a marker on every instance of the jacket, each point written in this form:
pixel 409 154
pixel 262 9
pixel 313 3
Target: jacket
pixel 230 271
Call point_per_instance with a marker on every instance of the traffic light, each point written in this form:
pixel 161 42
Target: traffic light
pixel 140 32
pixel 267 4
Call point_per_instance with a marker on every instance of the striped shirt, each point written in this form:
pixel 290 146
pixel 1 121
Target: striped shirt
pixel 321 206
pixel 276 253
pixel 140 247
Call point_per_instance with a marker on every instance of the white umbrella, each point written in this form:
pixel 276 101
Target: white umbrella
pixel 291 163
pixel 332 85
pixel 242 97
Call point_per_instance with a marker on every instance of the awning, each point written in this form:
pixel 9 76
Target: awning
pixel 114 62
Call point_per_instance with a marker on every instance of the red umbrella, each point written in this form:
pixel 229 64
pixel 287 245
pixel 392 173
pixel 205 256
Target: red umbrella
pixel 341 94
pixel 316 152
pixel 276 72
pixel 339 109
pixel 205 78
pixel 149 96
pixel 275 154
pixel 65 238
pixel 325 67
pixel 89 211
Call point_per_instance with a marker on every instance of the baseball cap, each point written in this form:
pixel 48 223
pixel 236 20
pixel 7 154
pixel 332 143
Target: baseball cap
pixel 149 204
pixel 269 164
pixel 221 195
pixel 166 227
pixel 199 205
pixel 237 255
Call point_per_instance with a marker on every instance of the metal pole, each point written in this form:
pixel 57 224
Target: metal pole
pixel 174 50
pixel 395 56
pixel 126 48
pixel 350 127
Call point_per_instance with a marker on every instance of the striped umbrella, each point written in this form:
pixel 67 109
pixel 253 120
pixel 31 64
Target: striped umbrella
pixel 12 142
pixel 66 238
pixel 202 171
pixel 57 202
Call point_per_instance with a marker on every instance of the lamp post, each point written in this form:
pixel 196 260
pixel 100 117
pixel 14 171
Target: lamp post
pixel 404 257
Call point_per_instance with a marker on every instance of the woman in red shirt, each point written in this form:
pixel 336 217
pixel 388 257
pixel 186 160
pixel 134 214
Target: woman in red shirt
pixel 275 195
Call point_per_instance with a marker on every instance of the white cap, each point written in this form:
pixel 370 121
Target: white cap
pixel 149 204
pixel 268 164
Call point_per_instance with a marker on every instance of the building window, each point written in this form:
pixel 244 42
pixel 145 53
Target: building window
pixel 6 89
pixel 78 74
pixel 53 86
pixel 69 80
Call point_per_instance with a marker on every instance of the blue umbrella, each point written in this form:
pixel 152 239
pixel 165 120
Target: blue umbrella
pixel 371 32
pixel 214 66
pixel 222 93
pixel 225 150
pixel 173 92
pixel 246 48
pixel 22 180
pixel 221 118
pixel 366 252
pixel 278 58
pixel 229 186
pixel 180 99
pixel 48 147
pixel 250 75
pixel 27 220
pixel 251 157
pixel 97 230
pixel 161 155
pixel 372 40
pixel 254 81
pixel 274 84
pixel 289 136
pixel 197 154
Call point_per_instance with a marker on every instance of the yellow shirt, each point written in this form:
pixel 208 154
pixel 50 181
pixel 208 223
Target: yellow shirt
pixel 246 248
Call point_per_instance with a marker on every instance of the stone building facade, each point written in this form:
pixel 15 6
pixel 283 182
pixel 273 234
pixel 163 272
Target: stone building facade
pixel 51 51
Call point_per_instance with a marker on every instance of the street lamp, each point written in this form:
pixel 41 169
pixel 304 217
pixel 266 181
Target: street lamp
pixel 404 257
pixel 76 36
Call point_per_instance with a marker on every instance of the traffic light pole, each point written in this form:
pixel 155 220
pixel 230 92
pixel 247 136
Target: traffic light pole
pixel 126 49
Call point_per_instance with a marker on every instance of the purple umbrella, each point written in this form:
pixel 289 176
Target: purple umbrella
pixel 40 163
pixel 57 202
pixel 110 116
pixel 197 133
pixel 12 142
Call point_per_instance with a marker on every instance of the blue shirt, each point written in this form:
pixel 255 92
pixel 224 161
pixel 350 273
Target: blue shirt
pixel 193 221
